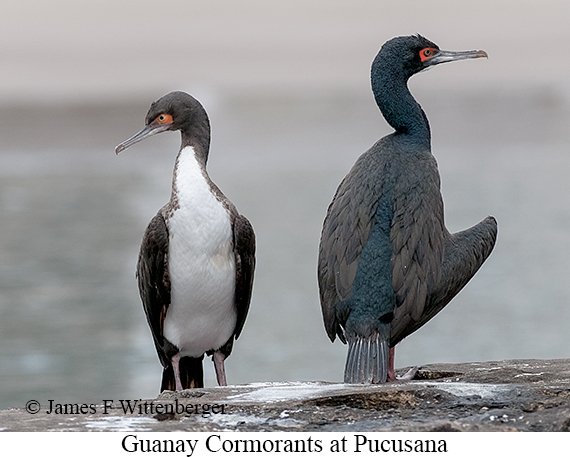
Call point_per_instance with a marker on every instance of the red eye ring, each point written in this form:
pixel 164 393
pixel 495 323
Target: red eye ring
pixel 427 53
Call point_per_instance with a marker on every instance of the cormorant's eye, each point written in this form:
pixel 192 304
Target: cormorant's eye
pixel 427 53
pixel 163 119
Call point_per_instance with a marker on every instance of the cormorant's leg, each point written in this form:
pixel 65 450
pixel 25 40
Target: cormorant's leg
pixel 392 373
pixel 176 368
pixel 219 358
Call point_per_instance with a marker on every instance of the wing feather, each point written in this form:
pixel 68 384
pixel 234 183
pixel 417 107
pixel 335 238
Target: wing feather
pixel 244 244
pixel 154 280
pixel 418 238
pixel 346 230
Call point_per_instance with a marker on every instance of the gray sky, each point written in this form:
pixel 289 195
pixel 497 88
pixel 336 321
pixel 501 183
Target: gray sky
pixel 92 50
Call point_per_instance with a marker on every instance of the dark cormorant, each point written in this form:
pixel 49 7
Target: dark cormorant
pixel 387 263
pixel 197 257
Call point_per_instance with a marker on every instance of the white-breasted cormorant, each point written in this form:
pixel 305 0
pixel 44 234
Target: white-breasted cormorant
pixel 197 257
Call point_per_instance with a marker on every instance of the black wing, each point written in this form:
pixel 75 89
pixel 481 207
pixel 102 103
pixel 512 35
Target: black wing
pixel 417 232
pixel 345 232
pixel 464 254
pixel 154 280
pixel 244 245
pixel 418 239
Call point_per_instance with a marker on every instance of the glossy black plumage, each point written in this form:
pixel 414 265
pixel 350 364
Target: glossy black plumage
pixel 387 264
pixel 180 111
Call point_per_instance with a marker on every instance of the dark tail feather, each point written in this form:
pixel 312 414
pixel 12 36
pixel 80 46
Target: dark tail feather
pixel 191 374
pixel 367 360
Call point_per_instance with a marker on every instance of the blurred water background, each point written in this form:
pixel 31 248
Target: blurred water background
pixel 286 85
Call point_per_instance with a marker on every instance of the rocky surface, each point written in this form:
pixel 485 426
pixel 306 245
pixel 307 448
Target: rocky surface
pixel 512 395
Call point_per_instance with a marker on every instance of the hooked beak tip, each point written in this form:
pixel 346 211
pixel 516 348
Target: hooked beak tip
pixel 148 130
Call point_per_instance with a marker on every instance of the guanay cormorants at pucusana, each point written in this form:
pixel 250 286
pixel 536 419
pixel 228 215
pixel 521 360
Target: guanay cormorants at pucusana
pixel 387 263
pixel 197 257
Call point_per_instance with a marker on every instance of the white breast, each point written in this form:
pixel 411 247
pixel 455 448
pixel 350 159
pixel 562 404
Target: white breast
pixel 202 314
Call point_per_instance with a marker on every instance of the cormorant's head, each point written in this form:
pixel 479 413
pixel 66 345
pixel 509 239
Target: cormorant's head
pixel 414 53
pixel 174 111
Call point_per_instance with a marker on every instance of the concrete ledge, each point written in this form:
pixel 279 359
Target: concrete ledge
pixel 512 395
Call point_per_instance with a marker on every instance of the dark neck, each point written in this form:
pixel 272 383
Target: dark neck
pixel 398 106
pixel 198 137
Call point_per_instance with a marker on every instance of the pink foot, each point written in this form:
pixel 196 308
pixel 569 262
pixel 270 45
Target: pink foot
pixel 176 368
pixel 219 358
pixel 391 377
